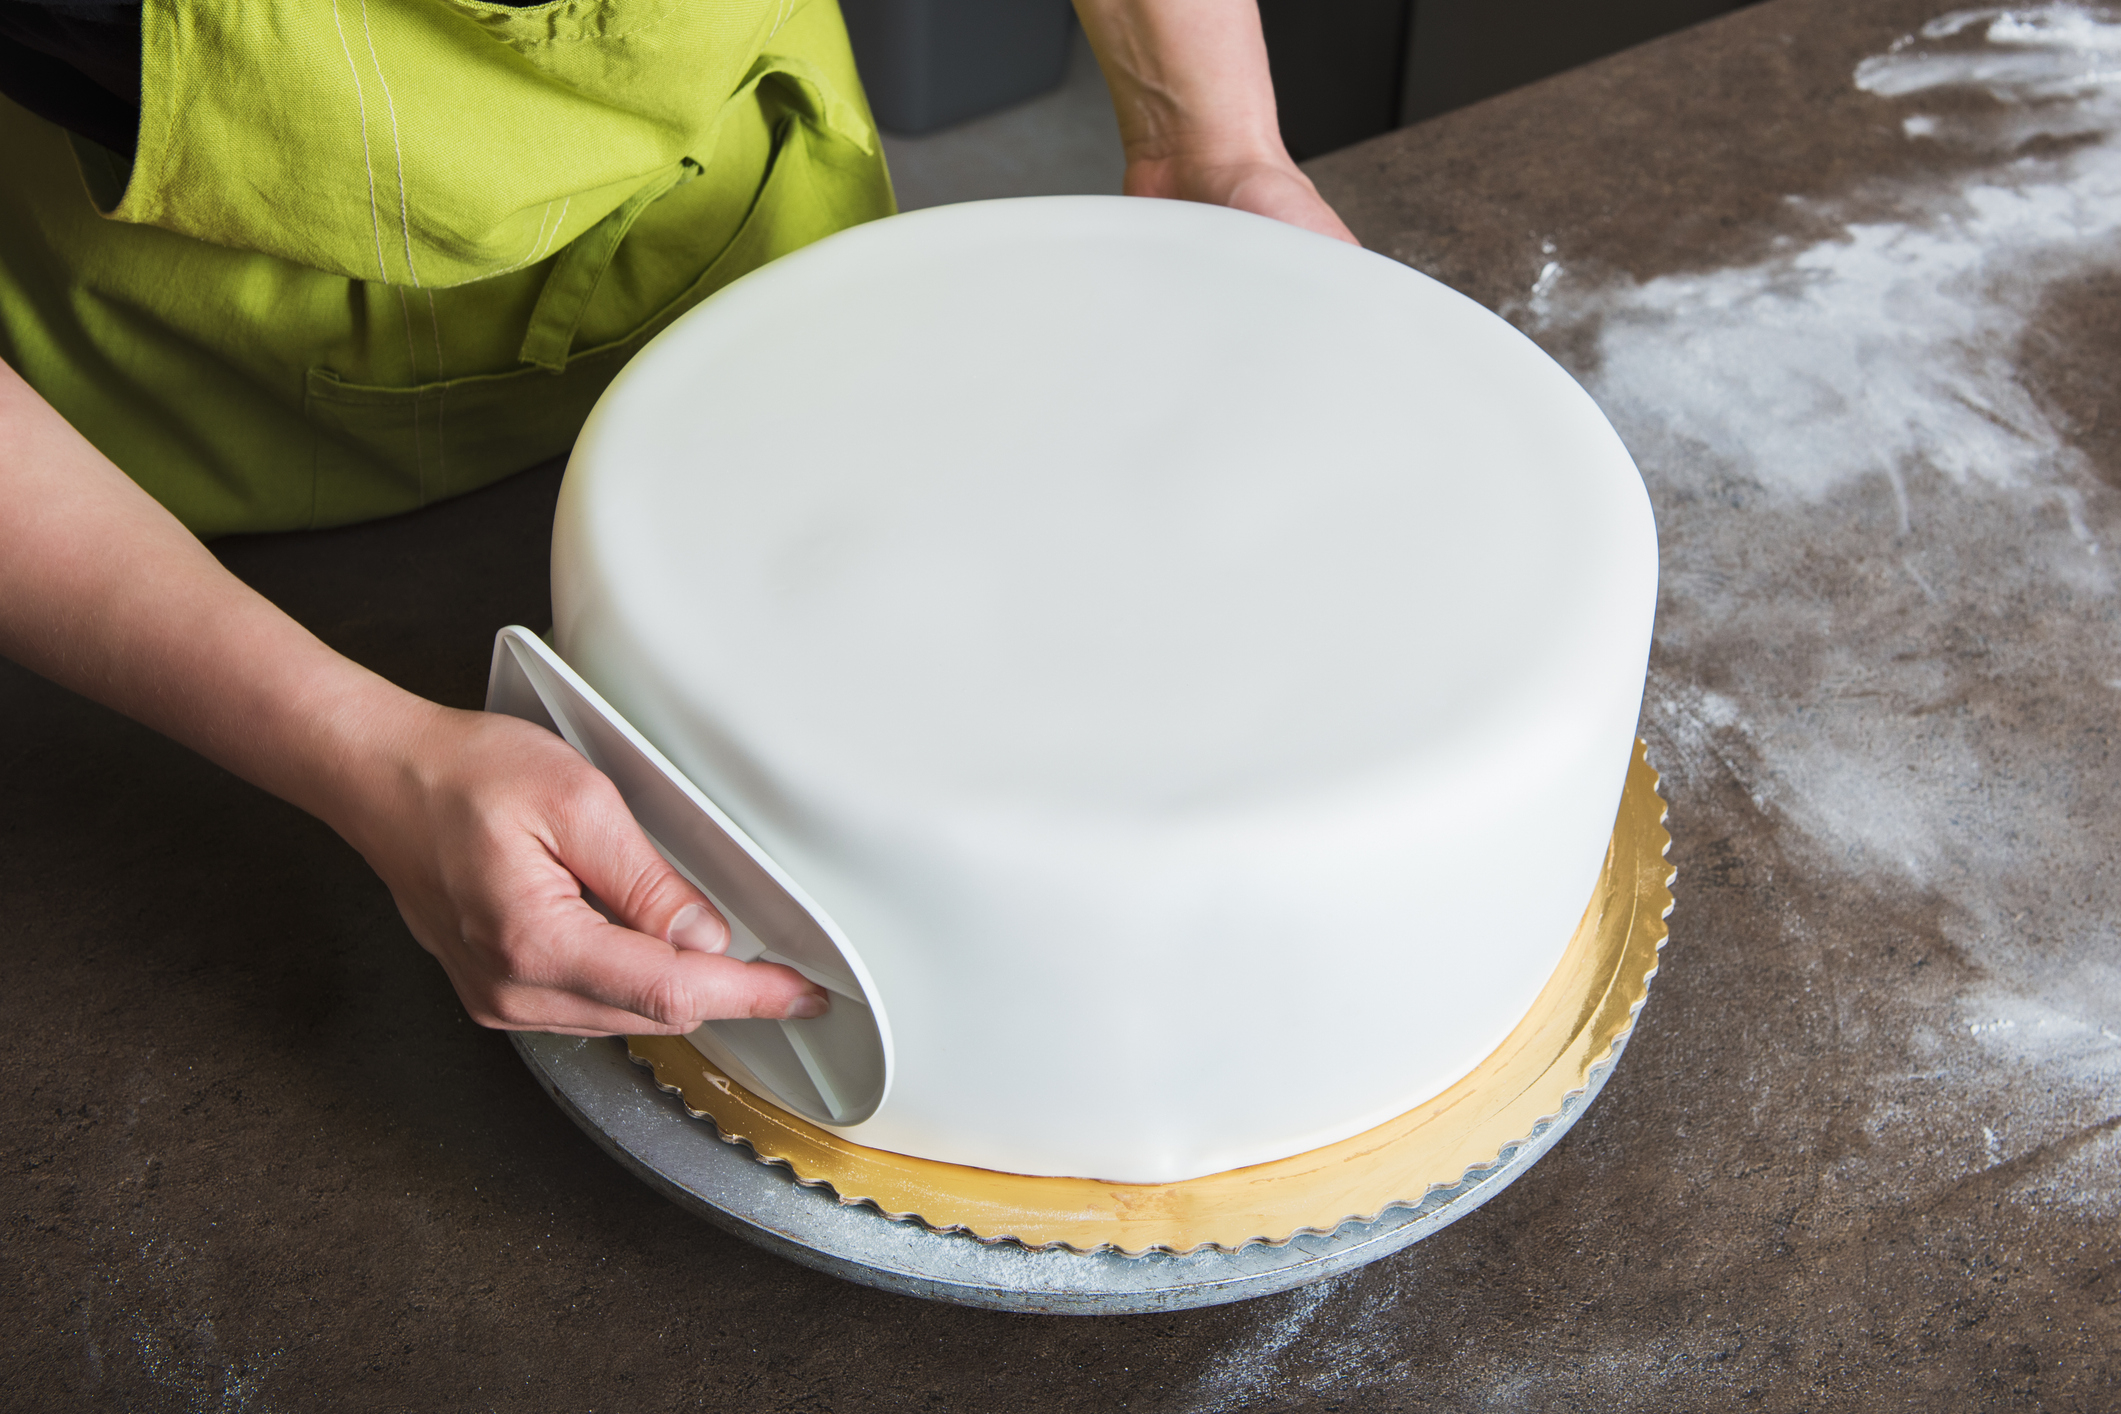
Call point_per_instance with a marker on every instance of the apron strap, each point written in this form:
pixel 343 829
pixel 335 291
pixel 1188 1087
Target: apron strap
pixel 574 277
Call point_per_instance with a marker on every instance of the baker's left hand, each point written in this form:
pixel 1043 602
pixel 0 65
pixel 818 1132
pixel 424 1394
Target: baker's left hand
pixel 1266 185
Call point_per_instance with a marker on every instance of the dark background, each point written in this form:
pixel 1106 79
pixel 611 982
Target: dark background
pixel 1344 70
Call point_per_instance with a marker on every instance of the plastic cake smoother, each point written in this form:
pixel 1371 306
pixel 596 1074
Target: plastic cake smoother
pixel 834 1069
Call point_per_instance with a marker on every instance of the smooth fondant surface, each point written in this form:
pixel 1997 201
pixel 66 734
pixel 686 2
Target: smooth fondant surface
pixel 1193 661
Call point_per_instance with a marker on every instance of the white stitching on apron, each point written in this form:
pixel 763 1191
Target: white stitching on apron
pixel 558 224
pixel 527 256
pixel 404 216
pixel 361 100
pixel 541 243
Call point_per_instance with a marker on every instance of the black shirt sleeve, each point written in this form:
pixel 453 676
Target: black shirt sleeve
pixel 75 64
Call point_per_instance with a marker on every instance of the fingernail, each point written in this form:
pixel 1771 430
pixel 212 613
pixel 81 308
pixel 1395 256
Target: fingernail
pixel 808 1006
pixel 698 928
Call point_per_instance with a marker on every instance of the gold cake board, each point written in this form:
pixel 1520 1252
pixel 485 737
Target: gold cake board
pixel 1586 1009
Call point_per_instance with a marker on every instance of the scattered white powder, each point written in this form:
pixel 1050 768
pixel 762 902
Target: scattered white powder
pixel 1892 344
pixel 1889 356
pixel 2048 52
pixel 1250 1375
pixel 1859 400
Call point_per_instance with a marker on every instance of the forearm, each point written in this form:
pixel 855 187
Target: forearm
pixel 105 592
pixel 1188 77
pixel 1195 103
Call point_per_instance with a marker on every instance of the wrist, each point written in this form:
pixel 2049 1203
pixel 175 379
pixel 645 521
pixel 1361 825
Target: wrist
pixel 1213 139
pixel 358 746
pixel 1189 79
pixel 1202 173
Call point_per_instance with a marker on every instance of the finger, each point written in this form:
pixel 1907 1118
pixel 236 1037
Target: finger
pixel 522 1005
pixel 599 842
pixel 511 1005
pixel 1291 198
pixel 563 1014
pixel 630 972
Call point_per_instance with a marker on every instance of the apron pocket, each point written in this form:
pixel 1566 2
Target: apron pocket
pixel 382 451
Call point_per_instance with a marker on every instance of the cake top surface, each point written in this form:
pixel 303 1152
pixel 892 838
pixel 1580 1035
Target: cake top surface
pixel 1096 505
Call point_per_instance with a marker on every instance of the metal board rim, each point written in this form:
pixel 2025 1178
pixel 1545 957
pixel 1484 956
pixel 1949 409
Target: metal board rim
pixel 619 1106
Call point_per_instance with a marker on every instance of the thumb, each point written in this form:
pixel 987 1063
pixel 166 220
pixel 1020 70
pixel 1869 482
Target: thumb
pixel 605 848
pixel 601 845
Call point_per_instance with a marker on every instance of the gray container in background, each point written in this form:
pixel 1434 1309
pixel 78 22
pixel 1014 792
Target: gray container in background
pixel 930 63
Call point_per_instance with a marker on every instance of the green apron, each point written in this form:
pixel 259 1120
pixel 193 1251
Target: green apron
pixel 374 253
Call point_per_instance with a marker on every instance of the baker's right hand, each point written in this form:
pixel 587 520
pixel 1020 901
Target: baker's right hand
pixel 489 829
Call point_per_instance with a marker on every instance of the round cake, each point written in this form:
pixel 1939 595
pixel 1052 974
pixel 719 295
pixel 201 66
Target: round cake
pixel 1188 665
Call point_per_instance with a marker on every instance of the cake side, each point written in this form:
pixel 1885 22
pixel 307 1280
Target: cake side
pixel 1205 717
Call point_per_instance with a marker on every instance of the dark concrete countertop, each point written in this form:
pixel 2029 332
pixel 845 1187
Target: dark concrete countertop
pixel 1864 1152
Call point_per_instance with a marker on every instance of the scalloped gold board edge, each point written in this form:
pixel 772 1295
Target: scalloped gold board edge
pixel 1586 1008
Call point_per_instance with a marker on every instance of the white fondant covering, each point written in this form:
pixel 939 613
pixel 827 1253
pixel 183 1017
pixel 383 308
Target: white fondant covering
pixel 1193 662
